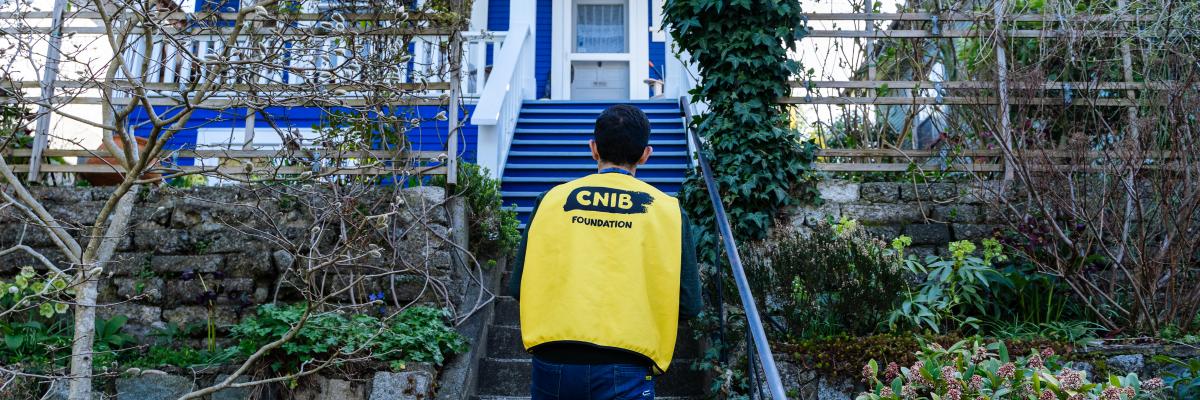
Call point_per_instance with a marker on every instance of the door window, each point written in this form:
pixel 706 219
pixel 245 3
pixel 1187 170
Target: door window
pixel 600 28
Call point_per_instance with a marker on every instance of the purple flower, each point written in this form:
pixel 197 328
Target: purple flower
pixel 1035 362
pixel 1153 384
pixel 1007 371
pixel 892 371
pixel 886 392
pixel 976 383
pixel 375 296
pixel 1047 352
pixel 868 374
pixel 1047 395
pixel 1112 393
pixel 953 394
pixel 908 392
pixel 1070 379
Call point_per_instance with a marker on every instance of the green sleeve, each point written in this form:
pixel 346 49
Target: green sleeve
pixel 514 280
pixel 690 301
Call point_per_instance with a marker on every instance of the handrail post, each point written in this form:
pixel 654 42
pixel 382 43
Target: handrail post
pixel 753 320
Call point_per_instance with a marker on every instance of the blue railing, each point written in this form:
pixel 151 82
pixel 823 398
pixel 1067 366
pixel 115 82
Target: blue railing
pixel 756 341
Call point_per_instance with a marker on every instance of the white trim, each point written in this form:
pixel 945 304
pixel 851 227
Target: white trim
pixel 479 15
pixel 657 32
pixel 599 57
pixel 561 55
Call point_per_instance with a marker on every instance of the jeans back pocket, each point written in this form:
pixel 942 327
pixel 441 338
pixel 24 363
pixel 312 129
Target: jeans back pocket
pixel 547 380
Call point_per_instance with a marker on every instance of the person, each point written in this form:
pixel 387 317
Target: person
pixel 606 269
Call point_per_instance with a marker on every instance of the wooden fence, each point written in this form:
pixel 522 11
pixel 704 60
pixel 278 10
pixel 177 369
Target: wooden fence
pixel 869 89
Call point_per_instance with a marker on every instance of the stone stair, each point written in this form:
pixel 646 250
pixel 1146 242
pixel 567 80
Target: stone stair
pixel 550 147
pixel 505 370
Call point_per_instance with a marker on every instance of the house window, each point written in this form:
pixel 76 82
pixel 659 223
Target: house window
pixel 600 28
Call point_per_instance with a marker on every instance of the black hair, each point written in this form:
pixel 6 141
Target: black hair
pixel 622 134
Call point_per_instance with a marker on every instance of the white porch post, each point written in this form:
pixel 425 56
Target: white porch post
pixel 524 13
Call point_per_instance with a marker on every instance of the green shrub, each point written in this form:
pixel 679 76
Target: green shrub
pixel 837 279
pixel 953 288
pixel 418 334
pixel 970 370
pixel 495 228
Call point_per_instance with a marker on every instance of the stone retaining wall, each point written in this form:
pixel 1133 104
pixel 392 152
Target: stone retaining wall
pixel 933 214
pixel 177 233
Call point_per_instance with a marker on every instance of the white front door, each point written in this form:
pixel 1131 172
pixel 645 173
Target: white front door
pixel 600 27
pixel 600 51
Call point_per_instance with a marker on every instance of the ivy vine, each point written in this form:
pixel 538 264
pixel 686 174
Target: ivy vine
pixel 760 164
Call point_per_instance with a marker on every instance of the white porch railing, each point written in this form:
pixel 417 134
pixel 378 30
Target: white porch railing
pixel 500 102
pixel 175 65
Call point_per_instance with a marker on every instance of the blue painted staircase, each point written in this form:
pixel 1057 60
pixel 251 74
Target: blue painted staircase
pixel 550 146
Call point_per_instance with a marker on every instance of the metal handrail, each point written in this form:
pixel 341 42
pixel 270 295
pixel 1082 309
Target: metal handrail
pixel 753 321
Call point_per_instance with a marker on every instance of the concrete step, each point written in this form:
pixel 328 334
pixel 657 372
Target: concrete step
pixel 504 342
pixel 510 377
pixel 527 397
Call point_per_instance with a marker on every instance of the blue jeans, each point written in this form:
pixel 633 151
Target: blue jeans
pixel 553 381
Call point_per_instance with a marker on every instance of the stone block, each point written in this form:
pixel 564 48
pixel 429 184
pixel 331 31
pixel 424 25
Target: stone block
pixel 61 195
pixel 933 234
pixel 249 264
pixel 835 389
pixel 884 232
pixel 130 264
pixel 938 192
pixel 882 214
pixel 198 315
pixel 163 241
pixel 147 315
pixel 194 263
pixel 83 212
pixel 958 213
pixel 988 192
pixel 282 259
pixel 188 292
pixel 27 234
pixel 241 393
pixel 1126 364
pixel 973 231
pixel 144 289
pixel 880 192
pixel 153 386
pixel 407 385
pixel 838 191
pixel 322 388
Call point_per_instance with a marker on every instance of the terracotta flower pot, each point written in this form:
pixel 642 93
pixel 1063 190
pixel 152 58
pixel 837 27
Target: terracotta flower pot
pixel 110 178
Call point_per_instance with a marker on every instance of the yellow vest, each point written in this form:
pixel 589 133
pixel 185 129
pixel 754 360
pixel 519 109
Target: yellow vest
pixel 602 266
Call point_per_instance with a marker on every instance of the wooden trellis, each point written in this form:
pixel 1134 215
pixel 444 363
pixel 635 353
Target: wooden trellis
pixel 998 93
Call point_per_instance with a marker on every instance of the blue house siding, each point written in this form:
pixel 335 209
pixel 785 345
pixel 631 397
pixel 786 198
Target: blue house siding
pixel 498 11
pixel 541 64
pixel 430 135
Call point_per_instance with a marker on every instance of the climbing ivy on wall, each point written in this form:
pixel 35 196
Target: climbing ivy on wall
pixel 741 50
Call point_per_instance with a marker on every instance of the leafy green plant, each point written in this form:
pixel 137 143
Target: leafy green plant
pixel 951 286
pixel 1075 332
pixel 836 279
pixel 1182 376
pixel 418 334
pixel 497 226
pixel 970 370
pixel 760 164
